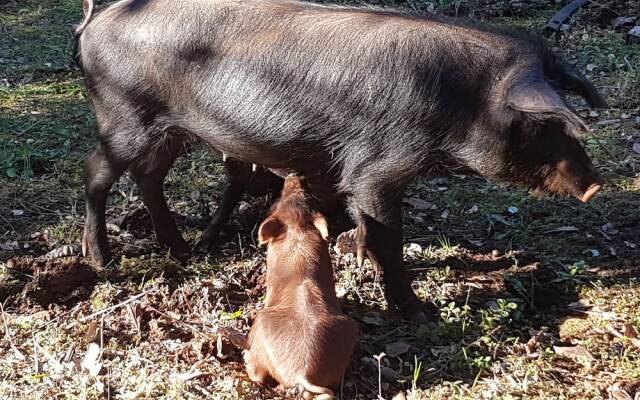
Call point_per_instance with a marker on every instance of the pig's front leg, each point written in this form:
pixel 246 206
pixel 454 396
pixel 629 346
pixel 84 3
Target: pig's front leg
pixel 230 198
pixel 379 216
pixel 239 175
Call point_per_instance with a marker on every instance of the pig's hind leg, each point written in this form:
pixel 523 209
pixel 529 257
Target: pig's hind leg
pixel 100 172
pixel 149 173
pixel 127 137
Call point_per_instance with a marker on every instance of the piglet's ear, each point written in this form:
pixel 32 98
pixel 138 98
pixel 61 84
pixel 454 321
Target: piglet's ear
pixel 321 225
pixel 270 229
pixel 533 95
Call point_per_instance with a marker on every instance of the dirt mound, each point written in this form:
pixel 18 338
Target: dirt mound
pixel 48 281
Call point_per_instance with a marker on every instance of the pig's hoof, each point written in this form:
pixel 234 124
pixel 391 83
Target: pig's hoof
pixel 181 255
pixel 98 256
pixel 209 240
pixel 417 312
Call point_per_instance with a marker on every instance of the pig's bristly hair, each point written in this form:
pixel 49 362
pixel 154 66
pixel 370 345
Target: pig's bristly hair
pixel 371 98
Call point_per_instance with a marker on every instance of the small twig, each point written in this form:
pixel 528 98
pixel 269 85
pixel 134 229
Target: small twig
pixel 134 319
pixel 111 308
pixel 6 221
pixel 605 7
pixel 379 358
pixel 8 334
pixel 603 147
pixel 47 355
pixel 101 335
pixel 36 362
pixel 186 324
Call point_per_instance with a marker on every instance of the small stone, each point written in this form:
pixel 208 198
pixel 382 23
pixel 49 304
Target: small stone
pixel 633 36
pixel 473 209
pixel 113 228
pixel 431 9
pixel 495 253
pixel 609 229
pixel 622 21
pixel 413 249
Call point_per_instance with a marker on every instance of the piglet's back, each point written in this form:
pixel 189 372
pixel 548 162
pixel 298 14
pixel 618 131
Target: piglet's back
pixel 310 345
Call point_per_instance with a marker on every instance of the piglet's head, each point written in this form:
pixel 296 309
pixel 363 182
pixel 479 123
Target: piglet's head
pixel 540 148
pixel 293 218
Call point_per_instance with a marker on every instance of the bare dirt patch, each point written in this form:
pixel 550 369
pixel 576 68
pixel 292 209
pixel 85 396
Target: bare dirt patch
pixel 61 280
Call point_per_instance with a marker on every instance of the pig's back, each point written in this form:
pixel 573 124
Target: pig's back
pixel 289 84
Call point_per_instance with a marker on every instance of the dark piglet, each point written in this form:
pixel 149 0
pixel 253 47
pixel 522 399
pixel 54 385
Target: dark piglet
pixel 301 338
pixel 368 98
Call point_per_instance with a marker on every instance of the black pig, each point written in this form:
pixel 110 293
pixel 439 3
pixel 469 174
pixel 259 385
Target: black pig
pixel 369 98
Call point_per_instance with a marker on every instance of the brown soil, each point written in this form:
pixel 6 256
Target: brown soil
pixel 59 280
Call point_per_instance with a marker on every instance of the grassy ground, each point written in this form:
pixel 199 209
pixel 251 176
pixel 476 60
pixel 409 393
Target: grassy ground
pixel 538 298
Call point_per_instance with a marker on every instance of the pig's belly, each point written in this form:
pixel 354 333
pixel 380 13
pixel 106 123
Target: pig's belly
pixel 268 150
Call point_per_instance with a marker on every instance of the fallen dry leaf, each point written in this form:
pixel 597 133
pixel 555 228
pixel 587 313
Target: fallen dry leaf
pixel 396 349
pixel 417 203
pixel 609 229
pixel 91 362
pixel 91 335
pixel 576 353
pixel 373 319
pixel 622 21
pixel 346 243
pixel 9 246
pixel 617 393
pixel 630 331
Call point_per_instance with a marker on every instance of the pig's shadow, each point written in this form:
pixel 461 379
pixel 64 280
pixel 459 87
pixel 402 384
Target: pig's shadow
pixel 538 279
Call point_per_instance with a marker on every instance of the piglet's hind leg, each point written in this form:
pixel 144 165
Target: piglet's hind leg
pixel 257 372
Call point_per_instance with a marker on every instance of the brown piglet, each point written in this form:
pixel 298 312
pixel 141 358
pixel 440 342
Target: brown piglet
pixel 301 338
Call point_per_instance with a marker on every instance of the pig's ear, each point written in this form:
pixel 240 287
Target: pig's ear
pixel 270 229
pixel 536 97
pixel 572 81
pixel 321 225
